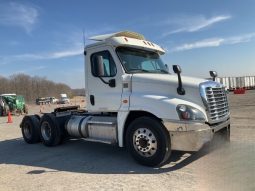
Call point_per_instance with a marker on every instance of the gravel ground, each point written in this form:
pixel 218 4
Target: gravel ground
pixel 80 165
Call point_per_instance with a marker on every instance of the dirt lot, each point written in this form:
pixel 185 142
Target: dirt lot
pixel 80 165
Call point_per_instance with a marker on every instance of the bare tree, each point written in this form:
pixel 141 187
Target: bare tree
pixel 32 87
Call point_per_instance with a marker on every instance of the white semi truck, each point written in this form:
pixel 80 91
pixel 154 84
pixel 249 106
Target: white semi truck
pixel 134 102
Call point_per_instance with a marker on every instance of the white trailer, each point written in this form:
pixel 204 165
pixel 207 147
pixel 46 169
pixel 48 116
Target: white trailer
pixel 247 82
pixel 252 80
pixel 225 82
pixel 134 102
pixel 232 83
pixel 218 79
pixel 240 82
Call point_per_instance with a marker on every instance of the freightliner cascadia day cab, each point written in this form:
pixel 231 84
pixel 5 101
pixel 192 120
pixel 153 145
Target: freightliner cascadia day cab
pixel 134 102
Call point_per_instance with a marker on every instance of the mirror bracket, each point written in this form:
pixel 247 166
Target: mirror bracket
pixel 111 82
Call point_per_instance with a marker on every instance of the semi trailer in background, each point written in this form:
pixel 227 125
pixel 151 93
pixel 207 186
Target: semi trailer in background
pixel 233 83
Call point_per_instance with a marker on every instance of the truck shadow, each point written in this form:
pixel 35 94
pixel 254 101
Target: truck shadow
pixel 86 157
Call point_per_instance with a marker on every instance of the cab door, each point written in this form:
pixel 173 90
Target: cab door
pixel 103 82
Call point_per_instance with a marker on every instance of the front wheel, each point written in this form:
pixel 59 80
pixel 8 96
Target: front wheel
pixel 148 141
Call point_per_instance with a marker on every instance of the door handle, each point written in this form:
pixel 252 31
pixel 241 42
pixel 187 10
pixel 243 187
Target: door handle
pixel 92 99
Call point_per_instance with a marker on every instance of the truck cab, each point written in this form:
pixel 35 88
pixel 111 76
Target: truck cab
pixel 133 101
pixel 64 99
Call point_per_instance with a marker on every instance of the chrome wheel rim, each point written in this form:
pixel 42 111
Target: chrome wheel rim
pixel 145 142
pixel 46 130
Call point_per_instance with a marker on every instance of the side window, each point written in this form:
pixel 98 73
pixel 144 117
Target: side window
pixel 102 64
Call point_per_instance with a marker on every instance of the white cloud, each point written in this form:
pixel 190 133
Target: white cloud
pixel 19 15
pixel 240 38
pixel 193 24
pixel 215 42
pixel 30 69
pixel 73 40
pixel 199 44
pixel 43 56
pixel 66 53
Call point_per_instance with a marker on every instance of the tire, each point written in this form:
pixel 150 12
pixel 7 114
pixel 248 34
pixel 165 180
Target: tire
pixel 1 111
pixel 30 129
pixel 25 109
pixel 148 141
pixel 51 133
pixel 38 117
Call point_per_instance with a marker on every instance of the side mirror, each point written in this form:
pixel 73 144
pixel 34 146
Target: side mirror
pixel 213 74
pixel 99 66
pixel 177 69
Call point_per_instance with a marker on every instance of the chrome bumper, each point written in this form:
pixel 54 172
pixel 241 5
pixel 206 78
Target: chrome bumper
pixel 192 136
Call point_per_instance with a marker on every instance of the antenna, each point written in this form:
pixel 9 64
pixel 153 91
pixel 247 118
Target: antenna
pixel 84 40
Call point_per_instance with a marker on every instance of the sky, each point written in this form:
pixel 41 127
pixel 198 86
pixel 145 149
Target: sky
pixel 45 38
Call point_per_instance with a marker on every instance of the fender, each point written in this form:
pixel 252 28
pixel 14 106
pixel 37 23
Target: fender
pixel 161 106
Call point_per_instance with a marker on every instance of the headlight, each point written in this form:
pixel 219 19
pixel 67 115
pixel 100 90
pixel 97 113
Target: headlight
pixel 188 113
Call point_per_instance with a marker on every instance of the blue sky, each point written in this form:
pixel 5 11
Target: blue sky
pixel 44 38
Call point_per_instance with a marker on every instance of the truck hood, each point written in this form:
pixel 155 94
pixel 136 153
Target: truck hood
pixel 166 85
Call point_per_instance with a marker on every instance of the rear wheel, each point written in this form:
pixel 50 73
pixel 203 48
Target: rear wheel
pixel 30 129
pixel 148 141
pixel 38 117
pixel 51 133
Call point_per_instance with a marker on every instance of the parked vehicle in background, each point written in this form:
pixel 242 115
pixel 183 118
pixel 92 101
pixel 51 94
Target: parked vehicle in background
pixel 4 108
pixel 42 100
pixel 64 99
pixel 13 103
pixel 53 100
pixel 46 100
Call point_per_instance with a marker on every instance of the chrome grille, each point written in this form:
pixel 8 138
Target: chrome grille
pixel 217 102
pixel 215 99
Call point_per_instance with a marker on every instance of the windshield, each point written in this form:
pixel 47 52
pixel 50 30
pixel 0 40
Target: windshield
pixel 141 61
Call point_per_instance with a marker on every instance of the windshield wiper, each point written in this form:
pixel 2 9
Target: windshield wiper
pixel 164 71
pixel 138 70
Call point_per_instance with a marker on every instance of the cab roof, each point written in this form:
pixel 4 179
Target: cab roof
pixel 128 34
pixel 127 38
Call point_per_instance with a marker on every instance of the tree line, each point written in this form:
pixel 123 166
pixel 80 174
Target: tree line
pixel 32 87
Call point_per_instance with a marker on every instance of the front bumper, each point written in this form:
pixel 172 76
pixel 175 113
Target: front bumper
pixel 192 136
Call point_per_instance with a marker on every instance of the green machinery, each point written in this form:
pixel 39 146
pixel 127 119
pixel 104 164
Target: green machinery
pixel 12 103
